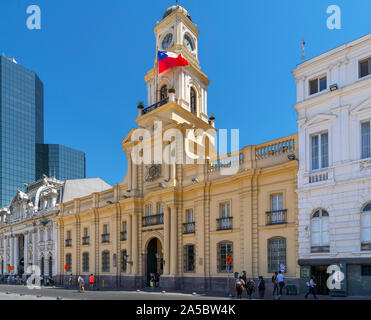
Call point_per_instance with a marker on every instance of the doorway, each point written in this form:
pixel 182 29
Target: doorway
pixel 320 274
pixel 154 258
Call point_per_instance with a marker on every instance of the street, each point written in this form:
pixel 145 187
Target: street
pixel 17 292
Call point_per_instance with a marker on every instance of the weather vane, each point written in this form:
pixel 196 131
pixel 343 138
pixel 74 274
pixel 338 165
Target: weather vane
pixel 303 43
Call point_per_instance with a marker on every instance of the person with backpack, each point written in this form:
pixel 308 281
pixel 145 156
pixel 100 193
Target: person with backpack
pixel 81 283
pixel 250 288
pixel 240 285
pixel 275 284
pixel 91 282
pixel 261 287
pixel 312 288
pixel 70 281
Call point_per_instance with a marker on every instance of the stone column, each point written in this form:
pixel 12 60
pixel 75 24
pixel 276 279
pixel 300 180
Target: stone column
pixel 128 158
pixel 25 256
pixel 134 176
pixel 167 240
pixel 11 251
pixel 129 237
pixel 5 271
pixel 34 253
pixel 134 244
pixel 16 254
pixel 174 241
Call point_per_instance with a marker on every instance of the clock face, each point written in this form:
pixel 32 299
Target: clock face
pixel 188 43
pixel 167 41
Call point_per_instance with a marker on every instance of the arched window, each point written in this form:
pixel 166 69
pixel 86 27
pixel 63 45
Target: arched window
pixel 225 249
pixel 276 253
pixel 193 101
pixel 366 224
pixel 320 228
pixel 163 92
pixel 105 261
pixel 50 266
pixel 42 265
pixel 85 262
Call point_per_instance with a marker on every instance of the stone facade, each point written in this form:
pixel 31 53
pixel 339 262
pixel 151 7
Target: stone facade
pixel 339 183
pixel 182 220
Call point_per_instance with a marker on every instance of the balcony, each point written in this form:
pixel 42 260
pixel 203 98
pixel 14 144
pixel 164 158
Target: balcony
pixel 155 106
pixel 224 223
pixel 188 227
pixel 276 217
pixel 105 237
pixel 68 242
pixel 152 220
pixel 123 236
pixel 85 240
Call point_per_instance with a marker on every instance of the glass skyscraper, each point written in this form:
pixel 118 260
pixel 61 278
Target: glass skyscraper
pixel 23 159
pixel 22 126
pixel 60 162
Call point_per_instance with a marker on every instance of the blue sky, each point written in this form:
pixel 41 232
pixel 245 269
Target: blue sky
pixel 92 57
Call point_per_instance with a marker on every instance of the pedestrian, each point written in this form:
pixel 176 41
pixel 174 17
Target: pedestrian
pixel 91 282
pixel 81 283
pixel 312 288
pixel 70 281
pixel 157 279
pixel 240 285
pixel 275 283
pixel 250 288
pixel 261 287
pixel 281 281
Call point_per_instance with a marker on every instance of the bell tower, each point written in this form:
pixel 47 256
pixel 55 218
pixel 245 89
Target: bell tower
pixel 177 33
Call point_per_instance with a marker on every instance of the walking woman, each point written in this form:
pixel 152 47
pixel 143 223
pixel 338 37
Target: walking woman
pixel 240 285
pixel 261 287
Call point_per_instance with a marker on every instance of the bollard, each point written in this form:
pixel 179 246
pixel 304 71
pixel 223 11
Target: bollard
pixel 103 283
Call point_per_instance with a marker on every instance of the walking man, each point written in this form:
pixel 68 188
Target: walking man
pixel 281 282
pixel 312 288
pixel 81 283
pixel 261 287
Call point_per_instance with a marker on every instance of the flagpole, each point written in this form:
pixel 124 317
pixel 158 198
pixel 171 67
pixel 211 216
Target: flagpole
pixel 156 79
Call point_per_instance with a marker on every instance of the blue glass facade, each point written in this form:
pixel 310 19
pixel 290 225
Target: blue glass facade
pixel 24 157
pixel 21 126
pixel 60 162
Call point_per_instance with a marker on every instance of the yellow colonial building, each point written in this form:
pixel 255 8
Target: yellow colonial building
pixel 174 214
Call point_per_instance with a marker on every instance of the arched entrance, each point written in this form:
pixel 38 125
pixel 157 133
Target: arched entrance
pixel 155 259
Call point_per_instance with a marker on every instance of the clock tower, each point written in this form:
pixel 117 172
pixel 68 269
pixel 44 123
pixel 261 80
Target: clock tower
pixel 177 33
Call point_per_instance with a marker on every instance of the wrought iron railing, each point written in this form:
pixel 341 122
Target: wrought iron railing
pixel 188 227
pixel 123 236
pixel 105 237
pixel 85 240
pixel 152 220
pixel 276 217
pixel 224 223
pixel 155 106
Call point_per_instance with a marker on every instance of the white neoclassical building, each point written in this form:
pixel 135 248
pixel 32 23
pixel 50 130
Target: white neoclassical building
pixel 334 178
pixel 28 234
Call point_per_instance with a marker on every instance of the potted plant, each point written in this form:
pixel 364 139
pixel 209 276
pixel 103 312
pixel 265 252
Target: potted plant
pixel 140 105
pixel 171 89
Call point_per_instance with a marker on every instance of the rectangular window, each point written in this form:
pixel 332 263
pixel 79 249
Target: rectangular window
pixel 366 271
pixel 148 210
pixel 224 210
pixel 69 262
pixel 320 154
pixel 365 227
pixel 276 254
pixel 224 250
pixel 124 257
pixel 364 68
pixel 160 208
pixel 277 202
pixel 189 215
pixel 317 85
pixel 85 262
pixel 189 258
pixel 365 140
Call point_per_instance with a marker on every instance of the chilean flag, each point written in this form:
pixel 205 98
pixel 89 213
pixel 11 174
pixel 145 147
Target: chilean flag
pixel 168 60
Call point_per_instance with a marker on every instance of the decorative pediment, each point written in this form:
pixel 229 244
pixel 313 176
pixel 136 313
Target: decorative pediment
pixel 319 119
pixel 362 107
